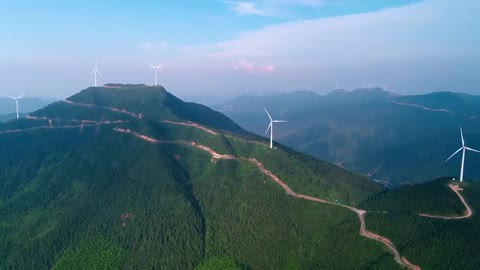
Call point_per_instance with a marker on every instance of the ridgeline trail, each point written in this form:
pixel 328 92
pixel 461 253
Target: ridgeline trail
pixel 216 156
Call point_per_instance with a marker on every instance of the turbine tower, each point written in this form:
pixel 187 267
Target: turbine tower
pixel 157 67
pixel 16 101
pixel 270 127
pixel 95 72
pixel 463 149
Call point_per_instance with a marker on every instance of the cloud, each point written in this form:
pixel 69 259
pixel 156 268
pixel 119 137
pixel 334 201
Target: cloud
pixel 244 65
pixel 268 69
pixel 276 8
pixel 153 45
pixel 416 47
pixel 420 31
pixel 247 8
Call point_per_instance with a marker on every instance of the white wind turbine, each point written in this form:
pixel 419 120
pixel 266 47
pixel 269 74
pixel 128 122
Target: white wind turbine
pixel 463 149
pixel 95 72
pixel 270 127
pixel 16 101
pixel 157 67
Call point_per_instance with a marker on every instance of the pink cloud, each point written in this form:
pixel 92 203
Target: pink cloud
pixel 247 66
pixel 268 69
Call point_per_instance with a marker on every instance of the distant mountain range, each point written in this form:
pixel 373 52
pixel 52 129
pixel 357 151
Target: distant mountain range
pixel 392 138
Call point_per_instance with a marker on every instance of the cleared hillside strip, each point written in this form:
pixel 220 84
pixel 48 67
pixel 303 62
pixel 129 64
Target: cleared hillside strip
pixel 468 212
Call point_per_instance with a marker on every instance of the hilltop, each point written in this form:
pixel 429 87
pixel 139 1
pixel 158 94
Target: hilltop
pixel 132 177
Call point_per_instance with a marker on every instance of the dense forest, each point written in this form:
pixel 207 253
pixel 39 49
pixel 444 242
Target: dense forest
pixel 87 197
pixel 77 194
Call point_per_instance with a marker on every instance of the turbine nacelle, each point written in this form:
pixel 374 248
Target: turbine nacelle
pixel 157 67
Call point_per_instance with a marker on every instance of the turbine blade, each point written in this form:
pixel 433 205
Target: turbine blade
pixel 268 128
pixel 268 114
pixel 471 149
pixel 454 154
pixel 10 97
pixel 280 121
pixel 461 134
pixel 19 97
pixel 99 73
pixel 152 66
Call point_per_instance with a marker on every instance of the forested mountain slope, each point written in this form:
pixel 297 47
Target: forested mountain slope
pixel 117 178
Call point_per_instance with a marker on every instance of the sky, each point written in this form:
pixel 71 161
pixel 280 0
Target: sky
pixel 227 47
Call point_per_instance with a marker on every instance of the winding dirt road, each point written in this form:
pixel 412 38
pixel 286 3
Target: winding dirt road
pixel 191 124
pixel 468 212
pixel 360 213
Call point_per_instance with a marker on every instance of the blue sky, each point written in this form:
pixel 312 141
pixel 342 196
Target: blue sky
pixel 227 47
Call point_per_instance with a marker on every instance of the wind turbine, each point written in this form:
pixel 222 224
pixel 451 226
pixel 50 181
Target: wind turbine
pixel 270 127
pixel 16 101
pixel 157 67
pixel 463 149
pixel 95 72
